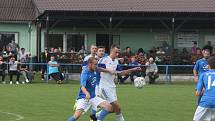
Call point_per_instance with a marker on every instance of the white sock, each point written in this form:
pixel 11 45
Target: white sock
pixel 120 117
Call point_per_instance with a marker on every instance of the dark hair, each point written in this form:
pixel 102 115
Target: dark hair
pixel 100 47
pixel 127 47
pixel 194 42
pixel 211 62
pixel 114 46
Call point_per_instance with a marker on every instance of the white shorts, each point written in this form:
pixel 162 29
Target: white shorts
pixel 97 91
pixel 109 94
pixel 205 114
pixel 85 105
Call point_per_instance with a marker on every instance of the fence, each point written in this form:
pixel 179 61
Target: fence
pixel 68 69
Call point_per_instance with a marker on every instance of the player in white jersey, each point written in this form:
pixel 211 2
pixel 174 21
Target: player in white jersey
pixel 93 49
pixel 109 67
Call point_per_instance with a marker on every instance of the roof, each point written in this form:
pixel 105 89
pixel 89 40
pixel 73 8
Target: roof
pixel 18 10
pixel 127 5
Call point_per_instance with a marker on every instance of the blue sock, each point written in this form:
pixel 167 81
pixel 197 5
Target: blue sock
pixel 92 111
pixel 72 119
pixel 102 115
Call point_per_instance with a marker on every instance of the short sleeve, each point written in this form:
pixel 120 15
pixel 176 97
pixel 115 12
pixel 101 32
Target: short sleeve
pixel 200 83
pixel 83 79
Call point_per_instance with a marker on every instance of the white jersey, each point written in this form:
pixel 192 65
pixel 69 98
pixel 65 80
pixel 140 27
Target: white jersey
pixel 107 79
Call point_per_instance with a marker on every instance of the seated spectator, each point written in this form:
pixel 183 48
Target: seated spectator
pixel 185 56
pixel 123 78
pixel 133 64
pixel 13 70
pixel 3 67
pixel 23 68
pixel 198 55
pixel 151 70
pixel 54 70
pixel 194 48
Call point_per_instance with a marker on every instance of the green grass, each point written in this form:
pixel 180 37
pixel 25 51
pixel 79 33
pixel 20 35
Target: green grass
pixel 51 102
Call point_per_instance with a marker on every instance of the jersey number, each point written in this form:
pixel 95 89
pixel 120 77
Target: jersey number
pixel 209 82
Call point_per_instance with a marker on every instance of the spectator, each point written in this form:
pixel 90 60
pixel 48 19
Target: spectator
pixel 208 47
pixel 127 54
pixel 82 50
pixel 23 68
pixel 13 70
pixel 194 48
pixel 160 51
pixel 152 70
pixel 3 67
pixel 54 70
pixel 125 77
pixel 14 47
pixel 133 64
pixel 185 56
pixel 44 59
pixel 22 55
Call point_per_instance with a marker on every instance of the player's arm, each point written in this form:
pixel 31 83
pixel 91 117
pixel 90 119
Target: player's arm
pixel 199 86
pixel 83 86
pixel 195 73
pixel 126 72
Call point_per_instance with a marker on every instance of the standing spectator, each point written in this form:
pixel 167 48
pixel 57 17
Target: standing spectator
pixel 3 67
pixel 127 54
pixel 14 46
pixel 22 55
pixel 13 70
pixel 194 48
pixel 200 67
pixel 208 47
pixel 151 70
pixel 54 70
pixel 44 59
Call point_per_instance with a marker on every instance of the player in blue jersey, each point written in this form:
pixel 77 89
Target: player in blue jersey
pixel 206 107
pixel 200 67
pixel 86 96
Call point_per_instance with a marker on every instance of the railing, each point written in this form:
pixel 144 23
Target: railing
pixel 168 70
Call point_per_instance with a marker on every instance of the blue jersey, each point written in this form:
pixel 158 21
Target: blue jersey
pixel 53 69
pixel 207 81
pixel 201 66
pixel 88 80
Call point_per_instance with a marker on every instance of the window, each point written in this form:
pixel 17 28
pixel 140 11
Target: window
pixel 6 37
pixel 54 41
pixel 75 42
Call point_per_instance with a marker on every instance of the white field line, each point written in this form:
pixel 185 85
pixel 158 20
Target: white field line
pixel 18 117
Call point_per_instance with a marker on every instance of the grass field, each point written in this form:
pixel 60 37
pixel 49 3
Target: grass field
pixel 51 102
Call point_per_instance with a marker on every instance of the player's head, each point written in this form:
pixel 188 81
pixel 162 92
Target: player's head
pixel 92 62
pixel 100 51
pixel 93 49
pixel 114 50
pixel 206 53
pixel 52 58
pixel 211 62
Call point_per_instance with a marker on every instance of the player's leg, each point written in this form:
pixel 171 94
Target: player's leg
pixel 106 107
pixel 200 114
pixel 81 107
pixel 77 114
pixel 117 110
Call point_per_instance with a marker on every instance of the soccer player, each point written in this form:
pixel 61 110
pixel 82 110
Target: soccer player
pixel 108 71
pixel 200 67
pixel 206 107
pixel 86 96
pixel 93 49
